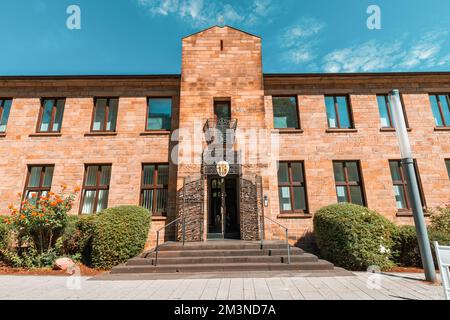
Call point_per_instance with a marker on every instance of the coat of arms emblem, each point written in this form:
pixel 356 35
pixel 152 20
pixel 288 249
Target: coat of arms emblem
pixel 223 168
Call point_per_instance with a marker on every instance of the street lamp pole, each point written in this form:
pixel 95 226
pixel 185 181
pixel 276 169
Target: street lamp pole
pixel 413 188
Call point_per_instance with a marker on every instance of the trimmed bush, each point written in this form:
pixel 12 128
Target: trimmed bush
pixel 119 234
pixel 4 235
pixel 77 237
pixel 440 219
pixel 405 250
pixel 353 237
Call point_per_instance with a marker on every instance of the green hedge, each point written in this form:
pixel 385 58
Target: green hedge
pixel 119 234
pixel 77 237
pixel 440 220
pixel 353 237
pixel 4 235
pixel 406 251
pixel 406 248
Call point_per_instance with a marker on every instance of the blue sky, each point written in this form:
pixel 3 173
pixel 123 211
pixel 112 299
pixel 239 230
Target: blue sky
pixel 144 36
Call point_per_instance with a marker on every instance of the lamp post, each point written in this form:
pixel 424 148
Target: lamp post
pixel 413 188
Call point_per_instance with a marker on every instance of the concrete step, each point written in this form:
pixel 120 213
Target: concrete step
pixel 223 267
pixel 222 245
pixel 306 257
pixel 224 253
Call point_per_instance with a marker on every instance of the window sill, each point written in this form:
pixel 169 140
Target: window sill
pixel 392 129
pixel 287 131
pixel 2 134
pixel 341 130
pixel 45 134
pixel 155 132
pixel 409 214
pixel 294 216
pixel 159 218
pixel 100 134
pixel 442 129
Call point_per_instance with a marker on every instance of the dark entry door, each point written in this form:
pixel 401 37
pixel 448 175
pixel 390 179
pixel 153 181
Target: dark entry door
pixel 227 226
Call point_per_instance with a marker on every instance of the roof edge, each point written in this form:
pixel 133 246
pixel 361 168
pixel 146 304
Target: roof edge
pixel 214 26
pixel 355 74
pixel 91 77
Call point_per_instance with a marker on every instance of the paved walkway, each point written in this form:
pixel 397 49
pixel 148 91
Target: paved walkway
pixel 359 286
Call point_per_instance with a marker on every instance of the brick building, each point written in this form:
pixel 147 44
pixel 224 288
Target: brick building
pixel 293 142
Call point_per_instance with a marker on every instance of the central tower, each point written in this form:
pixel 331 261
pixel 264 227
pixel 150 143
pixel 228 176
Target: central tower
pixel 221 77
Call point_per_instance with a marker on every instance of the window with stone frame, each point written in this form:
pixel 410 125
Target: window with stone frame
pixel 385 111
pixel 339 113
pixel 94 196
pixel 51 115
pixel 159 114
pixel 104 116
pixel 292 187
pixel 285 113
pixel 5 108
pixel 400 186
pixel 349 183
pixel 38 182
pixel 440 106
pixel 154 188
pixel 447 164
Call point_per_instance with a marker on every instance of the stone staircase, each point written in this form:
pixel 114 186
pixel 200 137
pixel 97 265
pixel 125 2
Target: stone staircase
pixel 221 257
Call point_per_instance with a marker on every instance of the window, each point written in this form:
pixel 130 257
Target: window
pixel 105 115
pixel 51 115
pixel 338 112
pixel 5 108
pixel 347 175
pixel 292 187
pixel 400 185
pixel 440 105
pixel 285 113
pixel 39 182
pixel 159 114
pixel 447 164
pixel 222 110
pixel 385 109
pixel 154 188
pixel 94 197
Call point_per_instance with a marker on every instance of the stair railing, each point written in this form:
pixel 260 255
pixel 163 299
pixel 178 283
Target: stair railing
pixel 164 228
pixel 286 232
pixel 183 234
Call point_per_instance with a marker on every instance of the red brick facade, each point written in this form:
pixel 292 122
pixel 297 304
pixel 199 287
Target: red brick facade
pixel 225 64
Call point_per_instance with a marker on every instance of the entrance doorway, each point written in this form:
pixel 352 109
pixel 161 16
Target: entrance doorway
pixel 222 194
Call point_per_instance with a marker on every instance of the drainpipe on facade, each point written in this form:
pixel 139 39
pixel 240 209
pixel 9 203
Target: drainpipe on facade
pixel 413 188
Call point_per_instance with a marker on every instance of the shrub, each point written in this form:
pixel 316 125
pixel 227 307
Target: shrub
pixel 77 237
pixel 119 234
pixel 406 248
pixel 353 237
pixel 41 219
pixel 4 235
pixel 406 251
pixel 440 219
pixel 34 230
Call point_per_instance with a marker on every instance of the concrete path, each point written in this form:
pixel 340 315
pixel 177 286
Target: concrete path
pixel 359 286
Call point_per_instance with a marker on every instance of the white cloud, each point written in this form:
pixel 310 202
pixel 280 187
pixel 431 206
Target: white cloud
pixel 298 42
pixel 365 57
pixel 200 13
pixel 297 33
pixel 398 55
pixel 444 61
